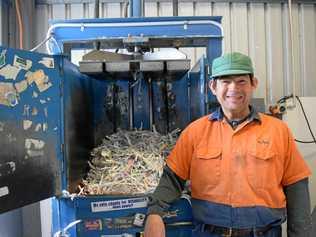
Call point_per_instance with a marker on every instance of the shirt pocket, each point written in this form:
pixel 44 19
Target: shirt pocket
pixel 207 167
pixel 261 168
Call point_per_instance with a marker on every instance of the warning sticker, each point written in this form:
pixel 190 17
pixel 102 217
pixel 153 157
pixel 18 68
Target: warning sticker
pixel 4 191
pixel 93 224
pixel 113 205
pixel 119 223
pixel 22 63
pixel 9 72
pixel 47 62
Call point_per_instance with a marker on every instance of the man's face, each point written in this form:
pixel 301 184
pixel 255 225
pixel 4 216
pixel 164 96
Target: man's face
pixel 234 92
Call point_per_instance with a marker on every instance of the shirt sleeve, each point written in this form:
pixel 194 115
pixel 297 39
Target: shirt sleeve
pixel 299 223
pixel 295 167
pixel 180 157
pixel 168 190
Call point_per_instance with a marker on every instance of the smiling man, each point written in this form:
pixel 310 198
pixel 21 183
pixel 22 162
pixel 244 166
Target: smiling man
pixel 247 175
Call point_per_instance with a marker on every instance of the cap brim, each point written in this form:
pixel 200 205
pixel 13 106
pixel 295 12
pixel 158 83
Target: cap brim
pixel 231 72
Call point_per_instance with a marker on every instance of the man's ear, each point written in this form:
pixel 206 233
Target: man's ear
pixel 212 86
pixel 254 83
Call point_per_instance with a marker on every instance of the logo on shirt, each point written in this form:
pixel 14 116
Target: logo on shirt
pixel 263 142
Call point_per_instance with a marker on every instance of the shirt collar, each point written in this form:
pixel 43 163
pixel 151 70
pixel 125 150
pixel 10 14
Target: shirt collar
pixel 219 115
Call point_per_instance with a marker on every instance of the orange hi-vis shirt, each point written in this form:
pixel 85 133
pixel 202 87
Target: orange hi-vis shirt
pixel 245 167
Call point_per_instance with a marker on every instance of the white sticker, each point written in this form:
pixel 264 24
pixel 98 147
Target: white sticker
pixel 34 143
pixel 12 165
pixel 45 127
pixel 34 147
pixel 27 124
pixel 21 86
pixel 9 168
pixel 33 153
pixel 22 63
pixel 114 205
pixel 38 127
pixel 9 72
pixel 47 62
pixel 26 110
pixel 4 191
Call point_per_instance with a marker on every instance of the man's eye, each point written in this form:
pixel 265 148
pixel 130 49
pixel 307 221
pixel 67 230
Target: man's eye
pixel 225 81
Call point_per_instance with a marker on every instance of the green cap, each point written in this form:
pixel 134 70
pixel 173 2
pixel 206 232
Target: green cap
pixel 231 64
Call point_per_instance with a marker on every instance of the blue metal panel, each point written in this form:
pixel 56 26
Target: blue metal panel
pixel 78 118
pixel 160 113
pixel 198 89
pixel 114 222
pixel 214 51
pixel 141 102
pixel 30 127
pixel 123 104
pixel 178 109
pixel 136 8
pixel 120 28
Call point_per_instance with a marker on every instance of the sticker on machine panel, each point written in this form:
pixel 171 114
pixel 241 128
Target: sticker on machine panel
pixel 22 63
pixel 34 144
pixel 8 94
pixel 119 222
pixel 27 124
pixel 9 72
pixel 47 62
pixel 34 147
pixel 2 58
pixel 93 224
pixel 4 191
pixel 7 168
pixel 21 86
pixel 113 205
pixel 41 80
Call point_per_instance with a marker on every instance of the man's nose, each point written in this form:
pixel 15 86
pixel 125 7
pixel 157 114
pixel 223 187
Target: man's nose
pixel 233 84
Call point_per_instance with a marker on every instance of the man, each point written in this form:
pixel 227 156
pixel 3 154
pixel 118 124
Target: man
pixel 247 176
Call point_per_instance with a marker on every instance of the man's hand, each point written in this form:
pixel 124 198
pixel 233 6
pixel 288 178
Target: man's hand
pixel 154 226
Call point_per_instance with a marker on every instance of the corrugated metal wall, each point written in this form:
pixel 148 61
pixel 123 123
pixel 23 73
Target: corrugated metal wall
pixel 258 28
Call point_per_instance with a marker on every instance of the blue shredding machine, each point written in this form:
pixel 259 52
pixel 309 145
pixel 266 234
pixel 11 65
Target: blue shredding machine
pixel 53 112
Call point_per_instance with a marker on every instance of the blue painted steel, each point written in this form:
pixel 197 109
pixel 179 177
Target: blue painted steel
pixel 178 109
pixel 119 28
pixel 214 50
pixel 141 101
pixel 95 224
pixel 30 109
pixel 198 89
pixel 160 113
pixel 137 8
